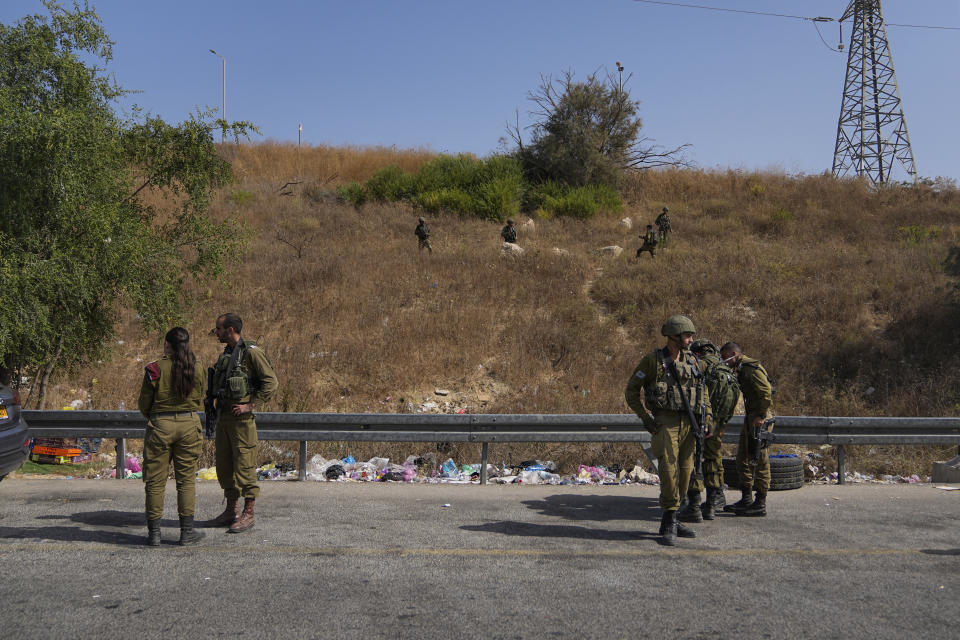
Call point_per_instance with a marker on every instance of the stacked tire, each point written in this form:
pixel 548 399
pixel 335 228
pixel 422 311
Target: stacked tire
pixel 786 472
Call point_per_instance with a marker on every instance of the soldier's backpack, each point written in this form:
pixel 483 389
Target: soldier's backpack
pixel 724 390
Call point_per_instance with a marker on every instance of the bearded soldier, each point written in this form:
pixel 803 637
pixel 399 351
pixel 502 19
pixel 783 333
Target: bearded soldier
pixel 668 393
pixel 245 379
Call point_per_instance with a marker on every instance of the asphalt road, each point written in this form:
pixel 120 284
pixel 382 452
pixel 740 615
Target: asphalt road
pixel 330 560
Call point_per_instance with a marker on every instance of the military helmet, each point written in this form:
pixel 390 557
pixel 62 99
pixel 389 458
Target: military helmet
pixel 509 220
pixel 704 345
pixel 665 209
pixel 420 220
pixel 676 325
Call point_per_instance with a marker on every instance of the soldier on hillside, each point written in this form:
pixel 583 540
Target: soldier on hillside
pixel 423 235
pixel 663 226
pixel 509 232
pixel 664 389
pixel 724 395
pixel 758 404
pixel 248 380
pixel 649 242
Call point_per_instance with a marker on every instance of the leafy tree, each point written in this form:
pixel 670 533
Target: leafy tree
pixel 79 237
pixel 587 132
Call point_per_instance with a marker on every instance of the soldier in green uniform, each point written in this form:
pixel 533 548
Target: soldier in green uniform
pixel 663 226
pixel 423 235
pixel 724 394
pixel 509 232
pixel 656 392
pixel 758 404
pixel 250 383
pixel 649 242
pixel 170 397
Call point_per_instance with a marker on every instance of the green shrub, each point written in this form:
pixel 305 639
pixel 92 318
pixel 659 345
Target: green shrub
pixel 578 203
pixel 607 198
pixel 499 198
pixel 241 197
pixel 443 200
pixel 353 193
pixel 390 184
pixel 781 215
pixel 543 195
pixel 914 235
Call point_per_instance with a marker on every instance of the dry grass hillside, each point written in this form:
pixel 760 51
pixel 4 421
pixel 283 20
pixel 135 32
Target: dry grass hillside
pixel 837 288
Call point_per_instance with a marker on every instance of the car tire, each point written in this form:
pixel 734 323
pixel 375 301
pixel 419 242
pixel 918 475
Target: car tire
pixel 785 473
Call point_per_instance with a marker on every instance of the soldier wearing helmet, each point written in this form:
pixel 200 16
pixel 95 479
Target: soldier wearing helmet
pixel 509 232
pixel 656 392
pixel 423 235
pixel 663 227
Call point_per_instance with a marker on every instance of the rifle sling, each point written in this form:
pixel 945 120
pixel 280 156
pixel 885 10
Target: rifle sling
pixel 231 367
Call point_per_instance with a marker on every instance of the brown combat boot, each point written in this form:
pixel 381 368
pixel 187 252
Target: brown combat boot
pixel 229 515
pixel 246 518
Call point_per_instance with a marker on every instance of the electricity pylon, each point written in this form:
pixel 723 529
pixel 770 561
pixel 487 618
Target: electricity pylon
pixel 872 132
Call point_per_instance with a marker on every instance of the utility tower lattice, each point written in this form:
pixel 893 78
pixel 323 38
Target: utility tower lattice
pixel 872 132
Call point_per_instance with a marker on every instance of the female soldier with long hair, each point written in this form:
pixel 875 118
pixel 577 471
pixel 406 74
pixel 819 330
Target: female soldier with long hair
pixel 170 397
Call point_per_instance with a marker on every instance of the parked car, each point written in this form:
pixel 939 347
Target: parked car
pixel 14 433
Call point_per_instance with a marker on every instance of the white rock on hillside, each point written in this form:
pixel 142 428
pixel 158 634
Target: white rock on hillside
pixel 612 251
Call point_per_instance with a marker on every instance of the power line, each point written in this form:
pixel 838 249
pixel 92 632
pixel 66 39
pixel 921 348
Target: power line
pixel 785 15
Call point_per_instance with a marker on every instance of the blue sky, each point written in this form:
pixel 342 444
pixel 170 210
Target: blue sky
pixel 747 92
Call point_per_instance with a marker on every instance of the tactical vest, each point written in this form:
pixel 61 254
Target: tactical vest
pixel 240 384
pixel 723 387
pixel 667 393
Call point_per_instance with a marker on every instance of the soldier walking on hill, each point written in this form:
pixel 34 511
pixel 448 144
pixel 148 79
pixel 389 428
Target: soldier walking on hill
pixel 509 232
pixel 423 235
pixel 664 390
pixel 758 403
pixel 241 379
pixel 663 226
pixel 724 394
pixel 649 242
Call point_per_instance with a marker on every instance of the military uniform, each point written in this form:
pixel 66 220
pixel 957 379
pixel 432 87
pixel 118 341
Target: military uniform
pixel 663 226
pixel 656 398
pixel 724 395
pixel 509 234
pixel 423 235
pixel 758 402
pixel 253 380
pixel 173 432
pixel 649 243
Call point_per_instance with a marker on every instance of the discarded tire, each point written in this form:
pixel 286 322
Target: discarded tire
pixel 785 473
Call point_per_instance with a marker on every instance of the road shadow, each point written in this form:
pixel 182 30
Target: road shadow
pixel 597 508
pixel 529 529
pixel 112 527
pixel 941 552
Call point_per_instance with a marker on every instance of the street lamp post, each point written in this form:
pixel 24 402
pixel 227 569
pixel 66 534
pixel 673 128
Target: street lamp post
pixel 223 92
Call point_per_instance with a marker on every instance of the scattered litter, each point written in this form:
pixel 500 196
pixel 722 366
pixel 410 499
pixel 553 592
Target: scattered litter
pixel 445 505
pixel 946 488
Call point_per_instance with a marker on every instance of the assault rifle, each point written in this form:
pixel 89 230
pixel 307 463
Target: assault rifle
pixel 760 436
pixel 697 424
pixel 213 401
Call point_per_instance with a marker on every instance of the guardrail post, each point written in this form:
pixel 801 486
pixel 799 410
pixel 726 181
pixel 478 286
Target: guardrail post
pixel 302 475
pixel 841 466
pixel 483 462
pixel 121 458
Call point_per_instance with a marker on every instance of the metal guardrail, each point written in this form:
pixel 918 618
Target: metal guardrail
pixel 498 428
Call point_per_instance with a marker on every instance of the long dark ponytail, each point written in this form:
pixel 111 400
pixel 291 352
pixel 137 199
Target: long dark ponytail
pixel 184 362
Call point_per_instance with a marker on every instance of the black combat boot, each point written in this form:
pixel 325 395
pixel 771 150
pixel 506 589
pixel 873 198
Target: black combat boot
pixel 758 508
pixel 189 535
pixel 719 500
pixel 707 509
pixel 668 528
pixel 690 511
pixel 153 533
pixel 685 531
pixel 746 499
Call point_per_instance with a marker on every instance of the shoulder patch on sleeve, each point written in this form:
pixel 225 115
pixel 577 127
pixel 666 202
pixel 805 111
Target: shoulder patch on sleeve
pixel 640 375
pixel 153 371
